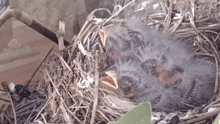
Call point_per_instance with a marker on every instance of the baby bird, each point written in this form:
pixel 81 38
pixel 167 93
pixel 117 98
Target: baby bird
pixel 154 67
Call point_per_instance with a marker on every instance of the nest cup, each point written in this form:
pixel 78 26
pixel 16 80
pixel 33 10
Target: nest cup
pixel 69 93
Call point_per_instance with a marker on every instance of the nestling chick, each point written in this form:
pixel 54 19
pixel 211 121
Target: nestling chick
pixel 157 68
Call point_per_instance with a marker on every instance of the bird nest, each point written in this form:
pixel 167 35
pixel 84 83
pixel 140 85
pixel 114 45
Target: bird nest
pixel 70 91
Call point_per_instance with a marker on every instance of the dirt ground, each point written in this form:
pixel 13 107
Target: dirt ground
pixel 22 52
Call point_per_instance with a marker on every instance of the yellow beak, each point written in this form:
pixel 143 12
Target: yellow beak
pixel 111 79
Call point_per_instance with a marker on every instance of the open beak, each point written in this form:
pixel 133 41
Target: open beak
pixel 111 79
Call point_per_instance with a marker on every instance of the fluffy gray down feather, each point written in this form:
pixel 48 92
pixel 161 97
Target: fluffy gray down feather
pixel 136 51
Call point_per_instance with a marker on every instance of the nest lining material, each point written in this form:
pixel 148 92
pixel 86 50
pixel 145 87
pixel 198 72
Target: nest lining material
pixel 69 93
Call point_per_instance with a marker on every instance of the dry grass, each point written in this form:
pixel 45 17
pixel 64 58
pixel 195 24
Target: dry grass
pixel 67 93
